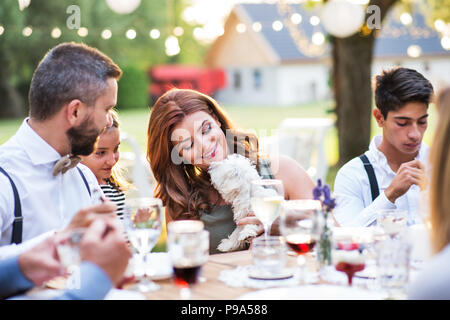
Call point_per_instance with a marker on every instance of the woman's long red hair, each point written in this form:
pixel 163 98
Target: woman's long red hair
pixel 183 187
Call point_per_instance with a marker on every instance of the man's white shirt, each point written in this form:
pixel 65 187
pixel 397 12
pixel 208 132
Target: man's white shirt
pixel 48 203
pixel 354 206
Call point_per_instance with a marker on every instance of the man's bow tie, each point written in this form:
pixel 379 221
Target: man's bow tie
pixel 65 163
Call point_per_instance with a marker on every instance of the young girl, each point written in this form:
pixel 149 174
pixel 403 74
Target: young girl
pixel 103 164
pixel 188 131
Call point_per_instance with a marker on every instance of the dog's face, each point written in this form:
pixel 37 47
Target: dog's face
pixel 199 140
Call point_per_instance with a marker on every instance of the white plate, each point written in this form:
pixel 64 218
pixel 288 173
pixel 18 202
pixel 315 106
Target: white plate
pixel 260 275
pixel 158 267
pixel 116 294
pixel 313 292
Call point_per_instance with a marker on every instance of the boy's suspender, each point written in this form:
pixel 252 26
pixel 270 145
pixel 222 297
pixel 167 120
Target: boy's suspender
pixel 18 219
pixel 372 178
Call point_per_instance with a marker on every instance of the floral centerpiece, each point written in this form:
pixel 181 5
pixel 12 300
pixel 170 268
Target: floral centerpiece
pixel 323 194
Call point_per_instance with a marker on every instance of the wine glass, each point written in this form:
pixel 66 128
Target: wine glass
pixel 266 197
pixel 392 221
pixel 188 247
pixel 143 220
pixel 300 226
pixel 68 249
pixel 349 256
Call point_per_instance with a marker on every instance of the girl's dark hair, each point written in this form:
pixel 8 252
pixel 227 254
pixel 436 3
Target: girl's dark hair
pixel 396 87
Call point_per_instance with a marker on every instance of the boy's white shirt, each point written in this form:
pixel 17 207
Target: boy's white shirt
pixel 354 206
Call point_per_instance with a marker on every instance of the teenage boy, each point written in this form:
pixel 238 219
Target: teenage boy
pixel 391 173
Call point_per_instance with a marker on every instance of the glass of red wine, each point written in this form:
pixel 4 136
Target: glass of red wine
pixel 188 247
pixel 300 227
pixel 349 256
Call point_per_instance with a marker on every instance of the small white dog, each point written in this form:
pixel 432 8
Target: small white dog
pixel 232 177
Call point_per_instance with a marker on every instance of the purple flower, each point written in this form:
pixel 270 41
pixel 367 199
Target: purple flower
pixel 323 194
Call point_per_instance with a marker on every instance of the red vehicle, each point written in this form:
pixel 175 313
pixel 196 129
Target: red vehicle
pixel 165 77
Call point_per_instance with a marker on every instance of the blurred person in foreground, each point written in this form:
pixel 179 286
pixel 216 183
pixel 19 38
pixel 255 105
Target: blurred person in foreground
pixel 72 91
pixel 433 281
pixel 389 174
pixel 104 254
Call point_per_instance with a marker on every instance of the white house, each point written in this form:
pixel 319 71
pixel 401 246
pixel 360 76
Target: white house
pixel 269 63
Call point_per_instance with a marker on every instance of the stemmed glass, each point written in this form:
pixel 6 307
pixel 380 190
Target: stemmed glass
pixel 68 249
pixel 349 256
pixel 300 226
pixel 392 221
pixel 188 247
pixel 143 220
pixel 266 197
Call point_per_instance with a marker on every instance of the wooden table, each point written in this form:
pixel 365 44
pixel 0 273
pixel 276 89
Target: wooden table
pixel 212 288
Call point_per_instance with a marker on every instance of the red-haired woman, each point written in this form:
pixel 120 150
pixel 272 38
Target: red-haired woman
pixel 188 131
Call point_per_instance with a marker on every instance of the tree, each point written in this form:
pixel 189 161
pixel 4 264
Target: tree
pixel 352 62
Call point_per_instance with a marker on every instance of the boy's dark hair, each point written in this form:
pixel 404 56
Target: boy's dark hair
pixel 396 87
pixel 69 71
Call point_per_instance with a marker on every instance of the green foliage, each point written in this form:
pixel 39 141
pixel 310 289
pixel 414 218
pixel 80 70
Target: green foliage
pixel 133 89
pixel 20 55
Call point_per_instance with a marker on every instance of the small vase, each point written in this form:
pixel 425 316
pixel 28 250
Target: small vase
pixel 325 241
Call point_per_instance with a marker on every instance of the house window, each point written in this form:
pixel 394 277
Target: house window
pixel 237 80
pixel 257 79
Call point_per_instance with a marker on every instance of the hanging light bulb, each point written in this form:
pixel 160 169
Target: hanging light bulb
pixel 318 38
pixel 172 46
pixel 123 6
pixel 27 31
pixel 241 27
pixel 155 33
pixel 277 25
pixel 130 34
pixel 23 4
pixel 414 51
pixel 106 34
pixel 405 18
pixel 341 18
pixel 56 33
pixel 256 26
pixel 83 32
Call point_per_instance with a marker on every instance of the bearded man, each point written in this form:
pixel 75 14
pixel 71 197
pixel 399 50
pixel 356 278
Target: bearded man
pixel 42 185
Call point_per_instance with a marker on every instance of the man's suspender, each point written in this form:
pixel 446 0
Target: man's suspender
pixel 372 178
pixel 18 218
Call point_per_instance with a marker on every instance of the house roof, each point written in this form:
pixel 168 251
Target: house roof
pixel 392 41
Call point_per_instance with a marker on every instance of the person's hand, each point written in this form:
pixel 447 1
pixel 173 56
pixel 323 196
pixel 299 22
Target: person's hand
pixel 41 263
pixel 251 219
pixel 104 244
pixel 409 173
pixel 86 216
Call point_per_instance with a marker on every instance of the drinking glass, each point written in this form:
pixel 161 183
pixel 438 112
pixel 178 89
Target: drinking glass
pixel 393 262
pixel 269 258
pixel 68 249
pixel 300 226
pixel 143 220
pixel 188 247
pixel 266 197
pixel 392 221
pixel 349 256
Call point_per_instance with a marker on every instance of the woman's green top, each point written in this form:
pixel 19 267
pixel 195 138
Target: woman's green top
pixel 219 221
